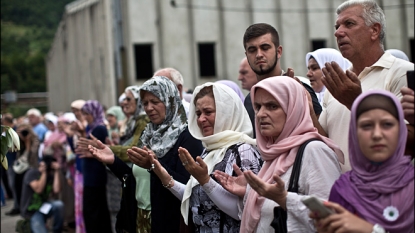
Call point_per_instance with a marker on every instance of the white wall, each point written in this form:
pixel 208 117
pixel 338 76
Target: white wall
pixel 85 69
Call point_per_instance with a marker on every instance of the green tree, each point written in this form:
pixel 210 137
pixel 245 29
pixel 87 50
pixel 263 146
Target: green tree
pixel 27 30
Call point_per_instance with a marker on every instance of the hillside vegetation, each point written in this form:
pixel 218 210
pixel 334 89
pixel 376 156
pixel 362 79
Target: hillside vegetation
pixel 27 30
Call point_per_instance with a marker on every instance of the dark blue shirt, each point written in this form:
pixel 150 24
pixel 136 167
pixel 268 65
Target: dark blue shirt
pixel 94 171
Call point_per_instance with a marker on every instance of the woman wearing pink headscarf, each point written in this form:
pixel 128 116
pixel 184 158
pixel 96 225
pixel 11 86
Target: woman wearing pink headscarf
pixel 377 195
pixel 283 124
pixel 55 143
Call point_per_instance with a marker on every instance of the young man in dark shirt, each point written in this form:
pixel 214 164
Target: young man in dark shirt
pixel 263 52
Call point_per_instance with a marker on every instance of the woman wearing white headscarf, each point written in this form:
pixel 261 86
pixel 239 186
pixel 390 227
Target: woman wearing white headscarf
pixel 315 62
pixel 218 118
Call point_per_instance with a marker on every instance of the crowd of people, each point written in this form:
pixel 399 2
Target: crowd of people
pixel 219 161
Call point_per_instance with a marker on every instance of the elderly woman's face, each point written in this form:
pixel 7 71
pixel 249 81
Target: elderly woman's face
pixel 129 103
pixel 154 108
pixel 270 116
pixel 378 134
pixel 206 113
pixel 315 74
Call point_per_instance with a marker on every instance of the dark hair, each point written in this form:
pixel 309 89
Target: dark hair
pixel 260 29
pixel 206 91
pixel 377 101
pixel 24 132
pixel 48 159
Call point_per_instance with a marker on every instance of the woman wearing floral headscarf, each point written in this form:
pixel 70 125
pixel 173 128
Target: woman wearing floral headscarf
pixel 377 195
pixel 95 207
pixel 162 137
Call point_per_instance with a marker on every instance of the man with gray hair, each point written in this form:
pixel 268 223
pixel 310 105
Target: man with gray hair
pixel 35 120
pixel 360 34
pixel 177 78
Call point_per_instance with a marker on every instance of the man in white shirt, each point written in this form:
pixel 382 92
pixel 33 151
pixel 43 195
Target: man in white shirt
pixel 360 33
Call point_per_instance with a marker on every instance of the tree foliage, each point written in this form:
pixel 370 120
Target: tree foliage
pixel 27 31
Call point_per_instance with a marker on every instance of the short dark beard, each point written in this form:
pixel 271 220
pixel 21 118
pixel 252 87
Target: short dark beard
pixel 267 71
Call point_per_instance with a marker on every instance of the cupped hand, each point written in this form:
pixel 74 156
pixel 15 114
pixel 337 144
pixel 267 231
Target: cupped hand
pixel 344 86
pixel 140 157
pixel 275 191
pixel 101 152
pixel 82 147
pixel 235 185
pixel 198 169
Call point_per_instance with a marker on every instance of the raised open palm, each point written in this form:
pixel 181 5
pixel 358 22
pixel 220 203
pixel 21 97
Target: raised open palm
pixel 102 152
pixel 234 185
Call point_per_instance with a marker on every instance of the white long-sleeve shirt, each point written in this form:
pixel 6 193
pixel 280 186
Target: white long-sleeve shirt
pixel 319 170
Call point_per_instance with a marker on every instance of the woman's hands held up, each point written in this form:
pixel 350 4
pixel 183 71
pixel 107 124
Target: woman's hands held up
pixel 198 169
pixel 100 151
pixel 234 185
pixel 275 191
pixel 82 146
pixel 140 157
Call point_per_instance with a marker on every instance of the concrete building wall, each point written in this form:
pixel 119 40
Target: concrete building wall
pixel 299 22
pixel 80 63
pixel 175 28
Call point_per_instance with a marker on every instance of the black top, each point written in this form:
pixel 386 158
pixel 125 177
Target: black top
pixel 127 215
pixel 165 207
pixel 250 109
pixel 94 171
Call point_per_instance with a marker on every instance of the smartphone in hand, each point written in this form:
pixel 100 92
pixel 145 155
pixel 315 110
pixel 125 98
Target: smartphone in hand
pixel 316 205
pixel 410 78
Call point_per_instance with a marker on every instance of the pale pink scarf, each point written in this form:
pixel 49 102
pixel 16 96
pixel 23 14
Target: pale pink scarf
pixel 280 154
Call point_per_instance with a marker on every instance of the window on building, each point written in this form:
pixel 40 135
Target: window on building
pixel 143 61
pixel 207 59
pixel 412 47
pixel 318 44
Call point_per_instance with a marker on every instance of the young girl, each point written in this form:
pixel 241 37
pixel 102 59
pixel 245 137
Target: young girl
pixel 377 195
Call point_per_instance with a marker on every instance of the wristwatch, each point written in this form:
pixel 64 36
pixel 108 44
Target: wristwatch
pixel 378 229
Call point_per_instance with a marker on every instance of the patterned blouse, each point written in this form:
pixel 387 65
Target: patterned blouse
pixel 207 217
